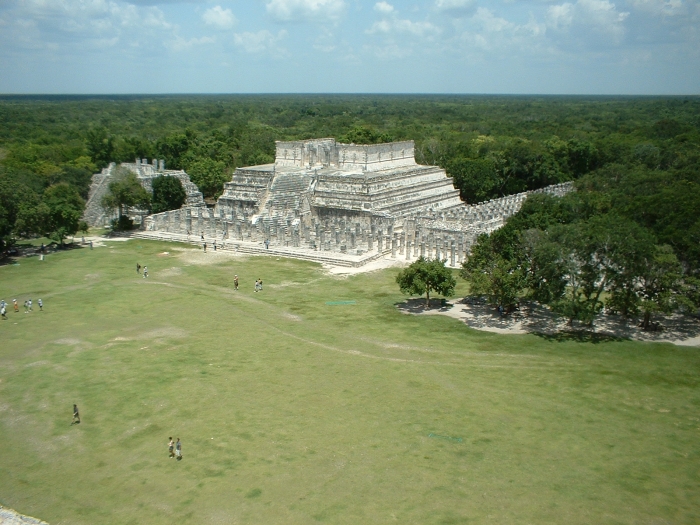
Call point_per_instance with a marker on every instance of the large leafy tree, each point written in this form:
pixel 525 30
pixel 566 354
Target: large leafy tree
pixel 63 207
pixel 494 269
pixel 168 194
pixel 209 175
pixel 425 276
pixel 125 192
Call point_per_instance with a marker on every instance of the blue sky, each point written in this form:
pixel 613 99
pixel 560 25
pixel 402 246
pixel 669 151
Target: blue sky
pixel 350 46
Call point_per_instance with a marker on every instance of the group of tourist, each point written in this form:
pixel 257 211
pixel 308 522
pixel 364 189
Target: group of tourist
pixel 174 449
pixel 28 307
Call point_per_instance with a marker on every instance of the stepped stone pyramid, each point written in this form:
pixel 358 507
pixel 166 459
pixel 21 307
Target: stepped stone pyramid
pixel 336 203
pixel 95 215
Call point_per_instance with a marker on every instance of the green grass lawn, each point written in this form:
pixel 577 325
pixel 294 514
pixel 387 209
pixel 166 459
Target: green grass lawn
pixel 294 411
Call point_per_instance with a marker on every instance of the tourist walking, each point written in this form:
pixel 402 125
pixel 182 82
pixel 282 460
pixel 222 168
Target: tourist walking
pixel 3 312
pixel 29 303
pixel 138 268
pixel 171 446
pixel 14 303
pixel 91 245
pixel 214 245
pixel 267 244
pixel 26 307
pixel 178 450
pixel 41 305
pixel 76 415
pixel 235 282
pixel 145 272
pixel 205 247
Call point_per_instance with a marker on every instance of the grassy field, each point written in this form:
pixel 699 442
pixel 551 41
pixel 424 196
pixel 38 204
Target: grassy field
pixel 291 410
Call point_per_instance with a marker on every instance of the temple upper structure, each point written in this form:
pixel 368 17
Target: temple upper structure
pixel 322 177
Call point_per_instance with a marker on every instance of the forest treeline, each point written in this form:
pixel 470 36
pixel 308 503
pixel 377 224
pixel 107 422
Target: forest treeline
pixel 492 146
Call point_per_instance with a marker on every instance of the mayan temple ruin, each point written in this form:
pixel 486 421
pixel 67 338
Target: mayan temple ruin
pixel 321 200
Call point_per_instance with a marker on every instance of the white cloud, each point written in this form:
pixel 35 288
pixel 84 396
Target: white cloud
pixel 307 10
pixel 588 20
pixel 181 44
pixel 260 41
pixel 383 7
pixel 87 24
pixel 219 17
pixel 660 7
pixel 455 7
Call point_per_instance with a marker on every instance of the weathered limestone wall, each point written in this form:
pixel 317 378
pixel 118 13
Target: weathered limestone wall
pixel 327 152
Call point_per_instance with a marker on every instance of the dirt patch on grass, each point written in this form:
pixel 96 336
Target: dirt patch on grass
pixel 170 272
pixel 200 258
pixel 67 341
pixel 163 333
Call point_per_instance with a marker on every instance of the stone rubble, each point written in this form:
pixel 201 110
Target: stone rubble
pixel 10 517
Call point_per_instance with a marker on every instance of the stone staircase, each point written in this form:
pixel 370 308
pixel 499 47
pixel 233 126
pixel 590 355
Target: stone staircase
pixel 94 214
pixel 286 191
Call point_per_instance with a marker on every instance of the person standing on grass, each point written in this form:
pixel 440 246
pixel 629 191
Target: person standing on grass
pixel 14 303
pixel 29 303
pixel 178 450
pixel 171 445
pixel 41 305
pixel 76 415
pixel 91 245
pixel 138 268
pixel 145 272
pixel 26 307
pixel 205 247
pixel 3 311
pixel 235 282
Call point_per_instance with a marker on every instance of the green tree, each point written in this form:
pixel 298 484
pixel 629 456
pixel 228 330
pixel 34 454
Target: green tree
pixel 427 275
pixel 100 146
pixel 168 194
pixel 125 192
pixel 660 284
pixel 364 135
pixel 63 209
pixel 209 175
pixel 494 269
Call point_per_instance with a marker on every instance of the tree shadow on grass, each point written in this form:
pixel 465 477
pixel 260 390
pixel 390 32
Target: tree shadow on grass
pixel 580 336
pixel 18 251
pixel 417 306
